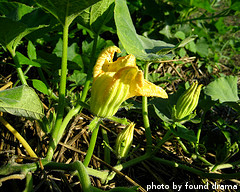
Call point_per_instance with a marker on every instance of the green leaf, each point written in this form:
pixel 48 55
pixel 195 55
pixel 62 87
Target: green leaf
pixel 11 32
pixel 202 47
pixel 22 60
pixel 235 6
pixel 21 101
pixel 184 133
pixel 204 4
pixel 182 52
pixel 191 46
pixel 101 13
pixel 14 10
pixel 65 10
pixel 78 77
pixel 31 50
pixel 73 50
pixel 162 115
pixel 40 86
pixel 96 16
pixel 142 47
pixel 223 89
pixel 180 35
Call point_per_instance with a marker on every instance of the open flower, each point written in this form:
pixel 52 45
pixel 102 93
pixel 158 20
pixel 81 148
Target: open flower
pixel 115 82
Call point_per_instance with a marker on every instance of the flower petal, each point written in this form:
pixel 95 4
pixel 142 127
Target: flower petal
pixel 106 56
pixel 142 87
pixel 121 62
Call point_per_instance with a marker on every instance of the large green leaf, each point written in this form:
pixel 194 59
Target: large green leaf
pixel 96 16
pixel 65 10
pixel 11 32
pixel 21 101
pixel 223 89
pixel 142 47
pixel 19 21
pixel 14 10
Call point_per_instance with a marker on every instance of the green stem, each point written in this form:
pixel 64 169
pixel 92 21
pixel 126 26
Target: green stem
pixel 18 66
pixel 148 133
pixel 56 133
pixel 107 157
pixel 132 162
pixel 166 137
pixel 29 183
pixel 196 171
pixel 61 125
pixel 24 73
pixel 204 160
pixel 225 166
pixel 144 157
pixel 199 133
pixel 182 145
pixel 122 121
pixel 92 144
pixel 31 167
pixel 83 176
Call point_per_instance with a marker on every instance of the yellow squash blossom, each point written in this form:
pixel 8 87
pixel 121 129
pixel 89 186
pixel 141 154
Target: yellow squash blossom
pixel 116 81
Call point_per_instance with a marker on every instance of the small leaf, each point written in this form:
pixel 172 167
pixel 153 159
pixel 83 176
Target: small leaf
pixel 202 47
pixel 191 46
pixel 21 101
pixel 223 89
pixel 78 77
pixel 22 60
pixel 184 133
pixel 73 50
pixel 40 86
pixel 161 115
pixel 180 35
pixel 31 51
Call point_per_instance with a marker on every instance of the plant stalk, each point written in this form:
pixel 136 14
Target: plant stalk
pixel 56 133
pixel 107 156
pixel 18 66
pixel 92 143
pixel 148 133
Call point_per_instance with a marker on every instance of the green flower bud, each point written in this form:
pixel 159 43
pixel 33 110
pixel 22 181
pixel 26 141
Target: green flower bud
pixel 187 102
pixel 124 141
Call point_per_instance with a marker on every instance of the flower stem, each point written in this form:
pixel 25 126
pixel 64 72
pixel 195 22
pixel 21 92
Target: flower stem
pixel 92 143
pixel 148 133
pixel 199 133
pixel 19 137
pixel 182 145
pixel 18 66
pixel 107 157
pixel 56 133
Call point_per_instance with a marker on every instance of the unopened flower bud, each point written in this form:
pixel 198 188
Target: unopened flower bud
pixel 187 102
pixel 124 141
